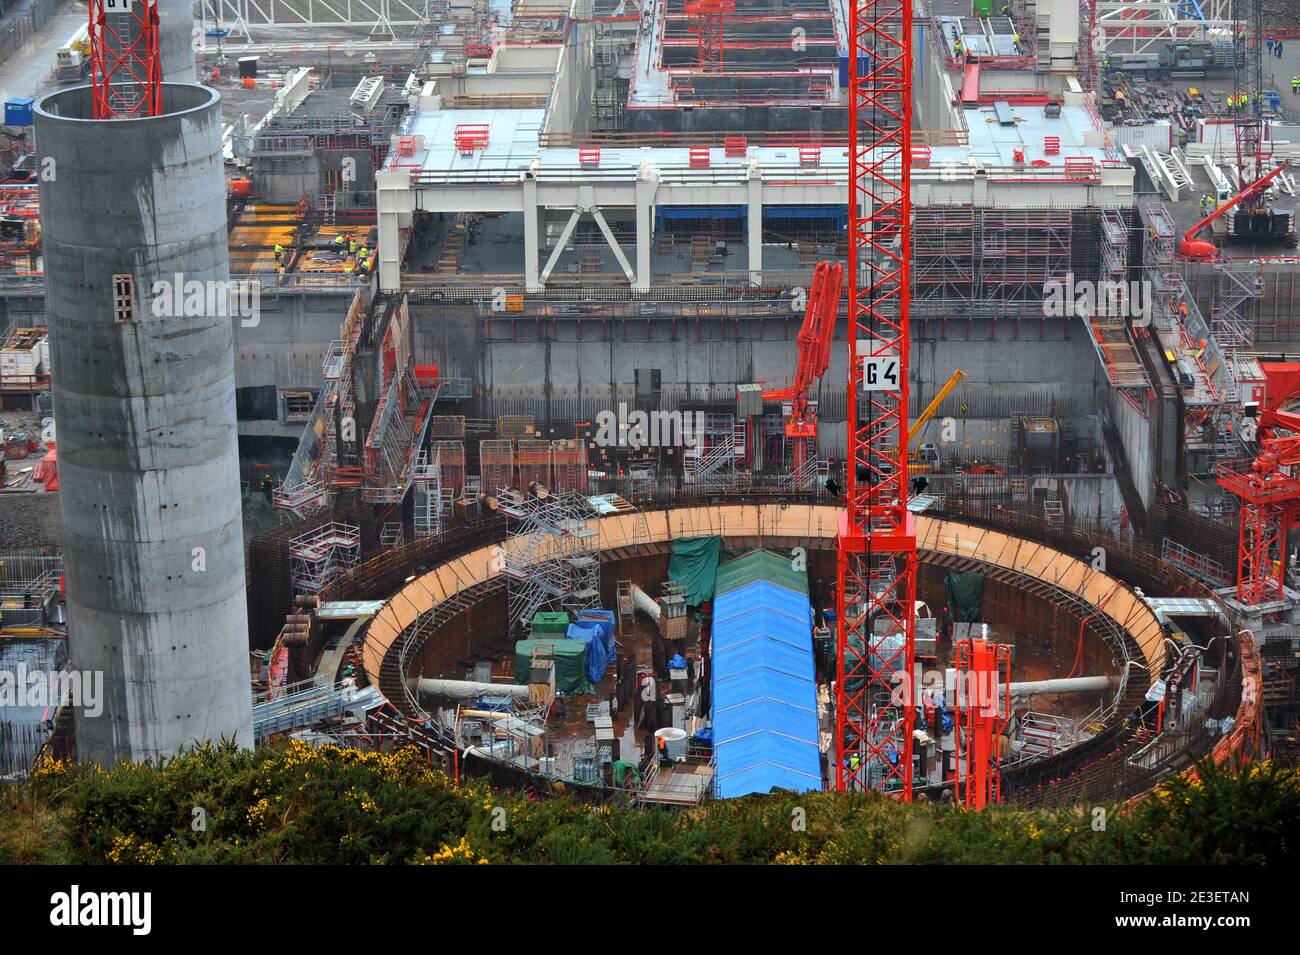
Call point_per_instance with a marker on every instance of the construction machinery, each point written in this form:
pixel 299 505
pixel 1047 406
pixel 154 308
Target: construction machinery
pixel 798 406
pixel 876 559
pixel 1269 490
pixel 1202 250
pixel 983 706
pixel 916 457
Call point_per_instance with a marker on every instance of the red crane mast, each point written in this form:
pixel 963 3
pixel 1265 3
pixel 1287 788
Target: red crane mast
pixel 125 63
pixel 876 561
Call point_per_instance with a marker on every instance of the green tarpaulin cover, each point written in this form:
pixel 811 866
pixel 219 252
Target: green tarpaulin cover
pixel 570 658
pixel 694 565
pixel 965 595
pixel 550 622
pixel 761 565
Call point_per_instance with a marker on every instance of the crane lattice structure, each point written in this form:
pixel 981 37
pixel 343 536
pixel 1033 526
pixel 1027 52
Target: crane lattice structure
pixel 125 62
pixel 549 557
pixel 876 560
pixel 1248 128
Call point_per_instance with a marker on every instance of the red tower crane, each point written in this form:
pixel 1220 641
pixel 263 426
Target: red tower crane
pixel 983 706
pixel 876 546
pixel 125 63
pixel 707 16
pixel 814 341
pixel 1269 489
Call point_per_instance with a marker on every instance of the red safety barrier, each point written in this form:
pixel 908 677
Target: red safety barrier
pixel 699 157
pixel 470 137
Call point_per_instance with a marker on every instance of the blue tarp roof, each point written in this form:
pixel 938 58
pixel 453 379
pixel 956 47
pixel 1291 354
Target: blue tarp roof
pixel 764 692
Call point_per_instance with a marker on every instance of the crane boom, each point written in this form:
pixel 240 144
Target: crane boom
pixel 953 380
pixel 1201 250
pixel 814 343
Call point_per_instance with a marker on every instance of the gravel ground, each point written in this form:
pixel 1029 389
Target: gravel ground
pixel 29 523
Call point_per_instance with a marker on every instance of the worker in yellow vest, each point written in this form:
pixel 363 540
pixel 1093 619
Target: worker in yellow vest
pixel 279 253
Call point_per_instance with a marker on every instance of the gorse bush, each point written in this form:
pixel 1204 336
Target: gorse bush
pixel 296 804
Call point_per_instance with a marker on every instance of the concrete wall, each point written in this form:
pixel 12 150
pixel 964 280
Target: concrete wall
pixel 145 407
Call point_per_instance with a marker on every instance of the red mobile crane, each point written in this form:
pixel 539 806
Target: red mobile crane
pixel 875 705
pixel 814 341
pixel 125 63
pixel 983 706
pixel 1204 251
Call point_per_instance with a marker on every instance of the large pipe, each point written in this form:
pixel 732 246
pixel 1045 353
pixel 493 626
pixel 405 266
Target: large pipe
pixel 469 690
pixel 1078 684
pixel 642 602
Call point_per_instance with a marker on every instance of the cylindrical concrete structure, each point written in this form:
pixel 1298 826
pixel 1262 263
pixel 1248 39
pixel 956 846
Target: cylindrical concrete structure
pixel 144 401
pixel 176 36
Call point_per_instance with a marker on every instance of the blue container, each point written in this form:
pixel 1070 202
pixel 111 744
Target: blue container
pixel 18 112
pixel 844 69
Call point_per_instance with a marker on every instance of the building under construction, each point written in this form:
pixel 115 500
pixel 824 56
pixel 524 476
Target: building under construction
pixel 640 393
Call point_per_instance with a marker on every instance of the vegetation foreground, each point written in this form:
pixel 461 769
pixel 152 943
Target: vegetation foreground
pixel 295 804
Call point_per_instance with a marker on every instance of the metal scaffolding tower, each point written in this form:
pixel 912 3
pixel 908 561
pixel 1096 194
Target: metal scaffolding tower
pixel 322 554
pixel 549 555
pixel 432 500
pixel 710 457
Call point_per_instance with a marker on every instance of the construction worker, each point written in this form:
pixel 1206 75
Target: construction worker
pixel 1295 86
pixel 341 241
pixel 268 488
pixel 1205 204
pixel 957 48
pixel 279 253
pixel 1278 49
pixel 352 246
pixel 1268 42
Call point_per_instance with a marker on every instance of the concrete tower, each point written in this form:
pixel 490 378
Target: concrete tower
pixel 176 40
pixel 144 401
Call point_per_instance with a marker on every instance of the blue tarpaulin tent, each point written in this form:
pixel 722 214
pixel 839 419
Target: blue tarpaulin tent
pixel 764 691
pixel 597 658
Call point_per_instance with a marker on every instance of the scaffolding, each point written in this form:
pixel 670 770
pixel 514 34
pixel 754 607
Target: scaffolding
pixel 29 586
pixel 712 449
pixel 433 499
pixel 992 263
pixel 320 555
pixel 549 557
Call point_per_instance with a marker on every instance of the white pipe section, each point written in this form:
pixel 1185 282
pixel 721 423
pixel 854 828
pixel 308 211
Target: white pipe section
pixel 469 690
pixel 1079 684
pixel 642 602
